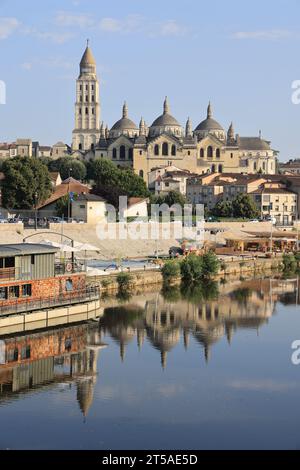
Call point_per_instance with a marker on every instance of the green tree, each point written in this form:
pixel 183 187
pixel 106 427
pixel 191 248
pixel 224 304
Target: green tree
pixel 27 182
pixel 69 166
pixel 112 182
pixel 223 209
pixel 62 205
pixel 210 265
pixel 191 269
pixel 244 206
pixel 171 269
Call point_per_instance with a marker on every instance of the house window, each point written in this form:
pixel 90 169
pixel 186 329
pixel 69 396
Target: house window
pixel 26 290
pixel 69 285
pixel 3 293
pixel 25 352
pixel 12 355
pixel 14 292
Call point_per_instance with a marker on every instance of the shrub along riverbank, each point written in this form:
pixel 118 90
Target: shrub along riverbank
pixel 192 269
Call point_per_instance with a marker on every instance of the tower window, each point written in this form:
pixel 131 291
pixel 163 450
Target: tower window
pixel 122 152
pixel 130 154
pixel 93 87
pixel 80 88
pixel 218 153
pixel 165 149
pixel 114 154
pixel 141 173
pixel 201 153
pixel 93 110
pixel 80 146
pixel 173 150
pixel 87 87
pixel 210 152
pixel 93 98
pixel 80 111
pixel 80 98
pixel 156 149
pixel 87 98
pixel 86 110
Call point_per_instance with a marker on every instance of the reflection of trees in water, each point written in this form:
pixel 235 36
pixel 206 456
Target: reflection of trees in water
pixel 203 291
pixel 242 295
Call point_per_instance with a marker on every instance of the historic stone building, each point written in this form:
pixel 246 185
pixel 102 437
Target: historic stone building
pixel 86 134
pixel 207 149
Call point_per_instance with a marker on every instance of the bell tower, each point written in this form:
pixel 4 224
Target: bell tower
pixel 86 133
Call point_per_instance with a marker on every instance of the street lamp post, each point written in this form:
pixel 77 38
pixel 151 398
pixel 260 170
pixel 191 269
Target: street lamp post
pixel 69 202
pixel 35 208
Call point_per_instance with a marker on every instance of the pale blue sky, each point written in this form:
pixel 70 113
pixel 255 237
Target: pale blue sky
pixel 243 56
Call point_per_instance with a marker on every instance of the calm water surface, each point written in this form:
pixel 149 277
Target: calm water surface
pixel 204 369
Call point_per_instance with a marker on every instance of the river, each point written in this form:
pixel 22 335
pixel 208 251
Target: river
pixel 203 368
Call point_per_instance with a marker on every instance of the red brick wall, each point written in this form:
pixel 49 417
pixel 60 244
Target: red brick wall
pixel 45 288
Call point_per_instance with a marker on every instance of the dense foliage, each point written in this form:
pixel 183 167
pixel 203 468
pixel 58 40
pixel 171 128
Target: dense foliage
pixel 26 184
pixel 68 166
pixel 242 206
pixel 112 182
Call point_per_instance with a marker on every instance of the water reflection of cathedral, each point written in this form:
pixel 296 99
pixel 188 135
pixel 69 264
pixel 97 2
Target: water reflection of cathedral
pixel 239 305
pixel 41 359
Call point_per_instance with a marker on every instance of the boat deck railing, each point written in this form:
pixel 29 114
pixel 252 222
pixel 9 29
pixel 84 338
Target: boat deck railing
pixel 24 305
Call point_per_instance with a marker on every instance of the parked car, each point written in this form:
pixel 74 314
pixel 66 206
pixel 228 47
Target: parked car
pixel 175 251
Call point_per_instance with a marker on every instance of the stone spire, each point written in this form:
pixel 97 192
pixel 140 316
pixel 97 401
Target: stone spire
pixel 106 132
pixel 188 128
pixel 209 111
pixel 142 127
pixel 125 110
pixel 166 106
pixel 230 133
pixel 102 131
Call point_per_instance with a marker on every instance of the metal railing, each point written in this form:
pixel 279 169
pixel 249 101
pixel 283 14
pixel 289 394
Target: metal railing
pixel 23 305
pixel 69 267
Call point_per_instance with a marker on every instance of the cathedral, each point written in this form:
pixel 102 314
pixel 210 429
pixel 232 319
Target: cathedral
pixel 206 149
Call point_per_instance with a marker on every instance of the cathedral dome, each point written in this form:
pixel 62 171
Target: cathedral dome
pixel 124 126
pixel 210 126
pixel 165 123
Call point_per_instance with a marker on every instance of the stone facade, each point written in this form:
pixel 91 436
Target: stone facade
pixel 207 149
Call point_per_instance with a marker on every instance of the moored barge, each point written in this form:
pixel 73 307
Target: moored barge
pixel 32 278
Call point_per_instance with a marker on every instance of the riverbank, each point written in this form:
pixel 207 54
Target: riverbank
pixel 230 267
